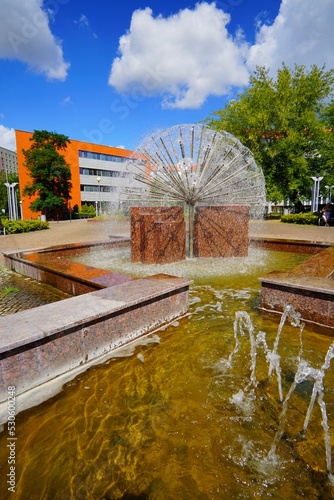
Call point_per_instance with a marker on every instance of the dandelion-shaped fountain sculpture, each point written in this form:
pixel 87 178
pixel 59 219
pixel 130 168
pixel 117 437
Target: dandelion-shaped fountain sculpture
pixel 193 164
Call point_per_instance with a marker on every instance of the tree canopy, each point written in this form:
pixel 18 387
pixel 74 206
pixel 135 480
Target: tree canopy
pixel 288 124
pixel 50 174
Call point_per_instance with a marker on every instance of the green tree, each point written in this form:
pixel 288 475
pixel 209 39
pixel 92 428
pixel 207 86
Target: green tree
pixel 50 174
pixel 288 125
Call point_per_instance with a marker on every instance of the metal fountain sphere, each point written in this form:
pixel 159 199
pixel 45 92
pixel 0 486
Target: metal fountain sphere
pixel 194 164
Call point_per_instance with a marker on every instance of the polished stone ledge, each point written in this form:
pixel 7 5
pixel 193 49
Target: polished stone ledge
pixel 42 344
pixel 308 287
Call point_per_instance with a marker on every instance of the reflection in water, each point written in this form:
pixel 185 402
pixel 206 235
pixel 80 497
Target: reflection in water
pixel 178 418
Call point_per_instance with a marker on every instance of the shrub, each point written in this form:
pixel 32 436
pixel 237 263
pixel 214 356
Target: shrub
pixel 309 218
pixel 88 210
pixel 273 216
pixel 24 226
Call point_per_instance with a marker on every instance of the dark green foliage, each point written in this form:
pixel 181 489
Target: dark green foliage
pixel 50 173
pixel 24 226
pixel 288 125
pixel 309 218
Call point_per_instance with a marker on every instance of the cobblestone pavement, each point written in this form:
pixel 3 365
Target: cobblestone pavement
pixel 18 293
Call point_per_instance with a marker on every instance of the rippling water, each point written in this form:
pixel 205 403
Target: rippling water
pixel 169 419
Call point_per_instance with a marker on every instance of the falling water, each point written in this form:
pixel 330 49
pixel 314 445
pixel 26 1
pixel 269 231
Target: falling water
pixel 304 372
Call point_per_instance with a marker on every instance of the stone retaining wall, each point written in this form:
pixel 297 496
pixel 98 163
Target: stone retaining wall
pixel 41 344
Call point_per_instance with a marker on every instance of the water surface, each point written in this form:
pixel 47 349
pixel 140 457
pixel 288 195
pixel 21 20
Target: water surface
pixel 166 420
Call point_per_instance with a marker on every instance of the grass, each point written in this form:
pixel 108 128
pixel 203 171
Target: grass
pixel 9 289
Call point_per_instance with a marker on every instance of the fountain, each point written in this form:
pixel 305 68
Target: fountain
pixel 207 408
pixel 194 165
pixel 171 414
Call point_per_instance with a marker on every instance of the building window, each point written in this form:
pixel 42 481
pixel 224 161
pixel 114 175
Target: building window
pixel 95 189
pixel 104 157
pixel 103 173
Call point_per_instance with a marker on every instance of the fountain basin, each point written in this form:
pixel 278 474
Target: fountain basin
pixel 108 310
pixel 41 344
pixel 170 419
pixel 52 266
pixel 308 287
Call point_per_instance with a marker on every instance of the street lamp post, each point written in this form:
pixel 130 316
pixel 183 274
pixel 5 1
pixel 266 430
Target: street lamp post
pixel 315 193
pixel 98 181
pixel 12 200
pixel 329 194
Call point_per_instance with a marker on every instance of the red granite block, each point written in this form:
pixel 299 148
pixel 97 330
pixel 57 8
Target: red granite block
pixel 157 234
pixel 166 242
pixel 221 231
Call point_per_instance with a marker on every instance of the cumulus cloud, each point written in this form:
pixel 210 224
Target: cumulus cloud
pixel 185 57
pixel 191 55
pixel 7 138
pixel 302 33
pixel 25 35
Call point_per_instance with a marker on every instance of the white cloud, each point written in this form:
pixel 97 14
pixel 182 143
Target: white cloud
pixel 191 55
pixel 7 138
pixel 185 57
pixel 302 33
pixel 25 35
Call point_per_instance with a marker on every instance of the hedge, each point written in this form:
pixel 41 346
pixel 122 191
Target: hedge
pixel 24 226
pixel 87 210
pixel 302 218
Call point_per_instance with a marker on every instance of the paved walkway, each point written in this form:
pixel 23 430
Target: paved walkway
pixel 84 231
pixel 64 232
pixel 277 229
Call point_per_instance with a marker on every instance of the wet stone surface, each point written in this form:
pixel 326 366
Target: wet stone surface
pixel 18 293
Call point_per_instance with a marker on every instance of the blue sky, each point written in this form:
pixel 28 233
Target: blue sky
pixel 112 72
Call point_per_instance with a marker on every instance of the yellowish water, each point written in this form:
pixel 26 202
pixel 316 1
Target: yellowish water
pixel 160 423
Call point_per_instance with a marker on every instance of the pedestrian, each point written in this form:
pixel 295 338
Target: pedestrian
pixel 326 213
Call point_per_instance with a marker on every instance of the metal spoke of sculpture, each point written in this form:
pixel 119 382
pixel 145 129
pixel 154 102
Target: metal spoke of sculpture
pixel 193 164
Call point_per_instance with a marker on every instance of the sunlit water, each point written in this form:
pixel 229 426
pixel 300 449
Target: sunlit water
pixel 175 418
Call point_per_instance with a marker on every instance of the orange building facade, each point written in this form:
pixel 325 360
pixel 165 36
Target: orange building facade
pixel 88 162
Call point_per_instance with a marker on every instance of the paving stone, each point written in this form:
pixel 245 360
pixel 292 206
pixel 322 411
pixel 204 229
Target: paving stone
pixel 18 293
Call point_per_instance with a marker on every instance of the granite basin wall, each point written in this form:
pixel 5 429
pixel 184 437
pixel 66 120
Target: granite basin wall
pixel 221 231
pixel 314 305
pixel 41 344
pixel 308 287
pixel 283 245
pixel 52 266
pixel 158 235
